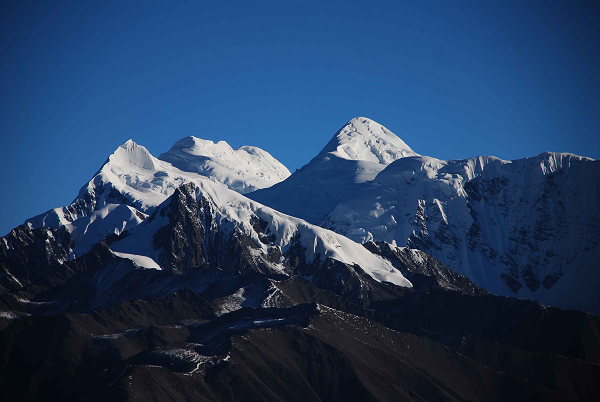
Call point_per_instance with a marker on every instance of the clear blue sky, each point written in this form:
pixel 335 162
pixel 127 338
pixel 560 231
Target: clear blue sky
pixel 452 80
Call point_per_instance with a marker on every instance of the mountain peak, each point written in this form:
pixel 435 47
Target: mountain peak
pixel 128 144
pixel 131 153
pixel 365 139
pixel 194 146
pixel 244 169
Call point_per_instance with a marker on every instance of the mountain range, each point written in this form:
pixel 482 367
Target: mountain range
pixel 528 228
pixel 371 273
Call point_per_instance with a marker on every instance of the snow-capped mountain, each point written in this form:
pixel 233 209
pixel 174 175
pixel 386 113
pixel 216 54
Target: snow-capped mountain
pixel 193 228
pixel 528 227
pixel 132 183
pixel 355 155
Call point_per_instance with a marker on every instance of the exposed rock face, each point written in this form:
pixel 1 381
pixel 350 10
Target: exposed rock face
pixel 28 254
pixel 423 270
pixel 182 238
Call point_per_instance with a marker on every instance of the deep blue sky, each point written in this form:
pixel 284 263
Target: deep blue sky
pixel 452 80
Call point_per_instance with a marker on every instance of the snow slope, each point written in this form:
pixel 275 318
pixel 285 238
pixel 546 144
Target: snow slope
pixel 140 260
pixel 529 227
pixel 356 154
pixel 230 211
pixel 244 170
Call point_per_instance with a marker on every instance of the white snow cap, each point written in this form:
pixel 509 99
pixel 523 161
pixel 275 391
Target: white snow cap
pixel 244 169
pixel 131 153
pixel 364 139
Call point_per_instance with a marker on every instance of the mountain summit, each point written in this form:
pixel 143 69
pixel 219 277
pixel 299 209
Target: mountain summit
pixel 366 140
pixel 356 154
pixel 244 169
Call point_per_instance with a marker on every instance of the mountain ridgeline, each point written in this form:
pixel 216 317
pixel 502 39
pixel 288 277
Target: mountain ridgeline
pixel 372 273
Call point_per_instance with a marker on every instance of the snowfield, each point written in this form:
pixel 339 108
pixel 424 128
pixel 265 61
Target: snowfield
pixel 244 169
